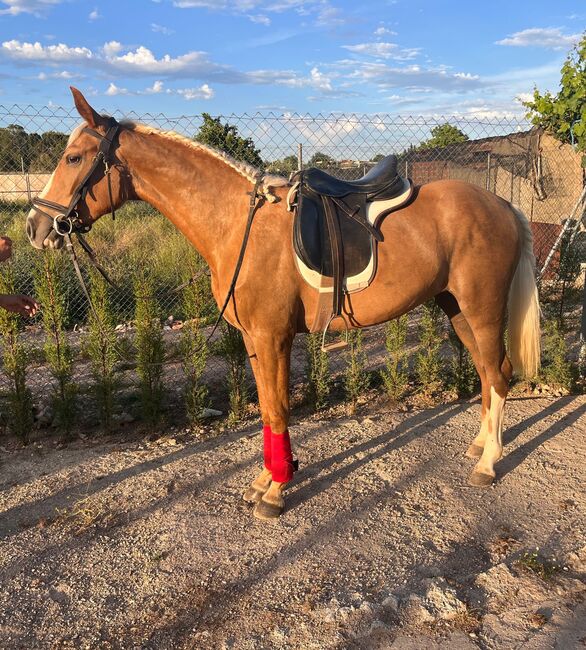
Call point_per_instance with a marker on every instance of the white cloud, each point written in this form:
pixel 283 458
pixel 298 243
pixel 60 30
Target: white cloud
pixel 382 50
pixel 35 7
pixel 94 15
pixel 114 90
pixel 324 13
pixel 203 92
pixel 384 31
pixel 157 87
pixel 43 76
pixel 260 19
pixel 36 52
pixel 551 38
pixel 412 77
pixel 161 29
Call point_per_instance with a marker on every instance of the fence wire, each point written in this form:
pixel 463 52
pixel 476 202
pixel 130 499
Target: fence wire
pixel 524 166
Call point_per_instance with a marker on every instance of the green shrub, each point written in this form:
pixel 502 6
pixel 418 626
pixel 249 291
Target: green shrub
pixel 317 372
pixel 15 362
pixel 463 376
pixel 231 347
pixel 150 352
pixel 395 376
pixel 557 371
pixel 193 346
pixel 428 365
pixel 356 378
pixel 51 294
pixel 102 349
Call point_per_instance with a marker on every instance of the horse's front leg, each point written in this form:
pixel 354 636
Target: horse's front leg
pixel 273 355
pixel 255 491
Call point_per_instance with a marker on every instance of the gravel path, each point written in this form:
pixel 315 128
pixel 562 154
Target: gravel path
pixel 145 543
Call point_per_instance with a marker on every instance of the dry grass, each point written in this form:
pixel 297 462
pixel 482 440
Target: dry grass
pixel 85 514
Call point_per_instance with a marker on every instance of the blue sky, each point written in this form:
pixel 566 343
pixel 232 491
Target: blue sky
pixel 308 56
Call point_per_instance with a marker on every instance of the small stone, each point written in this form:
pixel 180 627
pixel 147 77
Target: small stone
pixel 211 413
pixel 391 602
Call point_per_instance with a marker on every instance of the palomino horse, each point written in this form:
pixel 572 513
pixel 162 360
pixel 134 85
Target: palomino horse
pixel 457 243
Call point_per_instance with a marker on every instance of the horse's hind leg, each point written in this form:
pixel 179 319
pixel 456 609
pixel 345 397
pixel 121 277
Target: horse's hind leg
pixel 489 339
pixel 452 310
pixel 255 491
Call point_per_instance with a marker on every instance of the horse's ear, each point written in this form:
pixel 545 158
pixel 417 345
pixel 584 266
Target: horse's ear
pixel 93 118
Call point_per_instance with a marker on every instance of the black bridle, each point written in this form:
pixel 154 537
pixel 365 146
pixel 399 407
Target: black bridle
pixel 67 220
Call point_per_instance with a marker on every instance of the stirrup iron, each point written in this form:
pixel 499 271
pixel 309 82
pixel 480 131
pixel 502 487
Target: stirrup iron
pixel 336 345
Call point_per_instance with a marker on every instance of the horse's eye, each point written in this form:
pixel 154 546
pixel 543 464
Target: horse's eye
pixel 73 160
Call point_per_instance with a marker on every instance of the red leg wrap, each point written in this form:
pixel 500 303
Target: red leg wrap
pixel 266 434
pixel 282 458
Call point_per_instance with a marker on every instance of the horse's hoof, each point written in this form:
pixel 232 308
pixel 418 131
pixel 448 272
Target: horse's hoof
pixel 479 479
pixel 474 451
pixel 268 511
pixel 253 495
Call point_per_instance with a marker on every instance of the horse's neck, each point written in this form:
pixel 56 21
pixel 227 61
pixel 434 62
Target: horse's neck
pixel 199 193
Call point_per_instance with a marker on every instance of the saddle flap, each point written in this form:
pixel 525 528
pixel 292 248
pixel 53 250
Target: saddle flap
pixel 312 242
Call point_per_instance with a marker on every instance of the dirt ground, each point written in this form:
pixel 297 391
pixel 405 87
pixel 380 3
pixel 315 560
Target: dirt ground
pixel 143 541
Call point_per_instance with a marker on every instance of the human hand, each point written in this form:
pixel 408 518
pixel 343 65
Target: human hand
pixel 19 304
pixel 5 248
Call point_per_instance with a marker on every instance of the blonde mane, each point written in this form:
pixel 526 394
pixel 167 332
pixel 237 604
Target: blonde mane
pixel 250 172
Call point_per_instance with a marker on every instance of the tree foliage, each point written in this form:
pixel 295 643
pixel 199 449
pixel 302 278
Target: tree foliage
pixel 226 138
pixel 285 166
pixel 320 159
pixel 443 135
pixel 34 152
pixel 564 114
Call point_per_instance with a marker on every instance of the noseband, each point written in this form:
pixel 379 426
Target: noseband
pixel 67 221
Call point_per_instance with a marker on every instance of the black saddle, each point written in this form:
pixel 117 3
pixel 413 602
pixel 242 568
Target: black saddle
pixel 380 183
pixel 331 232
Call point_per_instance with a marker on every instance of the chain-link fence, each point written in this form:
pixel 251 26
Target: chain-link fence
pixel 523 165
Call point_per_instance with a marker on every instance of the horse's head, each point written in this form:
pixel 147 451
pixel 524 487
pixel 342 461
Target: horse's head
pixel 89 181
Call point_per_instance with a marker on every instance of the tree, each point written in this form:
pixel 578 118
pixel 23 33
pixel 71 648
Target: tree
pixel 377 158
pixel 286 166
pixel 442 135
pixel 13 148
pixel 320 159
pixel 225 137
pixel 564 115
pixel 46 150
pixel 38 153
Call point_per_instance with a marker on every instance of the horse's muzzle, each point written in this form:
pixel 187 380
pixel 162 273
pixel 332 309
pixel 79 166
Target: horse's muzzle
pixel 41 235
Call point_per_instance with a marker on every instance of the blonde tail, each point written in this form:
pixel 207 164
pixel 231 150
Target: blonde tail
pixel 524 310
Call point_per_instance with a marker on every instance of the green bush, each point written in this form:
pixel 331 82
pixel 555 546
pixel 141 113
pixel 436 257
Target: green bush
pixel 193 346
pixel 557 371
pixel 102 349
pixel 231 347
pixel 317 372
pixel 149 344
pixel 463 376
pixel 51 295
pixel 428 364
pixel 15 362
pixel 395 376
pixel 356 378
